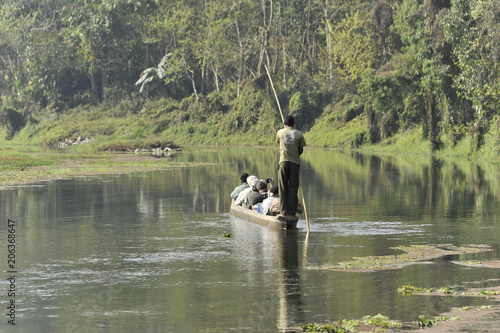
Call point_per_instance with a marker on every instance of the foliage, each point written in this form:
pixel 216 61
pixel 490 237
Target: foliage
pixel 381 321
pixel 473 26
pixel 409 289
pixel 378 321
pixel 371 70
pixel 355 46
pixel 341 326
pixel 424 322
pixel 13 121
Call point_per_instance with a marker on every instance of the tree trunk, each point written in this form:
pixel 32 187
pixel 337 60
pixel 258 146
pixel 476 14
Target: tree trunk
pixel 432 118
pixel 104 72
pixel 93 83
pixel 266 24
pixel 241 59
pixel 329 47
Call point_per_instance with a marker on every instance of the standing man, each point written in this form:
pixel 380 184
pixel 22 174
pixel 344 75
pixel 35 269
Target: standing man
pixel 292 145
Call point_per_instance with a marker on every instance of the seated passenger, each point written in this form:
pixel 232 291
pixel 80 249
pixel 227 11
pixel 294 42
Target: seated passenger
pixel 242 199
pixel 265 205
pixel 274 208
pixel 258 196
pixel 241 187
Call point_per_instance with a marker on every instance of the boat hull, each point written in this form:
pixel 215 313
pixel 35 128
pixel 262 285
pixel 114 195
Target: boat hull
pixel 264 220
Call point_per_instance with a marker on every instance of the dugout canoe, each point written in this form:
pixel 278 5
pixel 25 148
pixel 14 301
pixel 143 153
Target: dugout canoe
pixel 264 220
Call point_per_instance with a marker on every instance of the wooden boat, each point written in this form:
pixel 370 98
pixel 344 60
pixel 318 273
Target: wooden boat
pixel 265 220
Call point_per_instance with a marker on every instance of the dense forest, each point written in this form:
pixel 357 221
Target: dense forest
pixel 195 70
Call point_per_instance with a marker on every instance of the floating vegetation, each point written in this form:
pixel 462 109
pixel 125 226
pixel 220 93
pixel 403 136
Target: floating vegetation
pixel 424 322
pixel 378 322
pixel 445 318
pixel 444 291
pixel 408 290
pixel 411 255
pixel 331 328
pixel 381 321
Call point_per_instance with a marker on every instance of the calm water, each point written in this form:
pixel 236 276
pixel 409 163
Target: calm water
pixel 144 252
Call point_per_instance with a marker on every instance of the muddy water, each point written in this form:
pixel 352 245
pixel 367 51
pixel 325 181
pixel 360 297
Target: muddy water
pixel 145 252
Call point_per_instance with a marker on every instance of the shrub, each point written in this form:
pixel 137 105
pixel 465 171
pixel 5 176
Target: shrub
pixel 13 121
pixel 137 133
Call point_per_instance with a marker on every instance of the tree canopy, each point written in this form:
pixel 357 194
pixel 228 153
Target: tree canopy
pixel 406 63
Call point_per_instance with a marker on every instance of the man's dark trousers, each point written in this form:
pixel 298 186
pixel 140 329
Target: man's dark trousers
pixel 288 186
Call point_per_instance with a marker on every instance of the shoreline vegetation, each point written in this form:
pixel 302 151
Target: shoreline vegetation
pixel 152 124
pixel 20 168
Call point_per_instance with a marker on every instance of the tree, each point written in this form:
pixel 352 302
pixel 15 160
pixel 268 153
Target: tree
pixel 106 38
pixel 473 28
pixel 356 45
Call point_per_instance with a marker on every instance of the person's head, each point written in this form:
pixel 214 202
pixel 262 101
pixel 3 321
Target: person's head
pixel 244 177
pixel 252 180
pixel 262 186
pixel 289 121
pixel 273 191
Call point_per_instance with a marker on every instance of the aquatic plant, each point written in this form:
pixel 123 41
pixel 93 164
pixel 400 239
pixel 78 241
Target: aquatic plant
pixel 424 322
pixel 408 290
pixel 446 290
pixel 445 318
pixel 368 323
pixel 328 328
pixel 411 254
pixel 381 321
pixel 348 325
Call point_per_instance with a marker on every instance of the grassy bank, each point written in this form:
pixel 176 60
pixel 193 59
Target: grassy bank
pixel 217 120
pixel 17 168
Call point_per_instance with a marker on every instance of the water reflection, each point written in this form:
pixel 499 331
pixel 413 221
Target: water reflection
pixel 278 253
pixel 144 251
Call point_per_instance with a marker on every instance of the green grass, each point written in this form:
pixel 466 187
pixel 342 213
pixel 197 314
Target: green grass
pixel 378 322
pixel 249 121
pixel 16 167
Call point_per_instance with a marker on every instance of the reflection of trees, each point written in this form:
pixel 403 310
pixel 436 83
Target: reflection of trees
pixel 370 184
pixel 399 185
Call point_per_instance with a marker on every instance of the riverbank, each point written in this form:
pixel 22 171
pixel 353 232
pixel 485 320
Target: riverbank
pixel 23 167
pixel 153 124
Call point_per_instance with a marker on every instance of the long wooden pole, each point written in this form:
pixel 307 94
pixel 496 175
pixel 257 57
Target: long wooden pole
pixel 283 119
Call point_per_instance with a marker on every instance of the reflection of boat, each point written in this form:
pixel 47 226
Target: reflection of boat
pixel 265 220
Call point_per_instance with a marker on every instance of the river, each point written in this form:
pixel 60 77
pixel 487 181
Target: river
pixel 144 252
